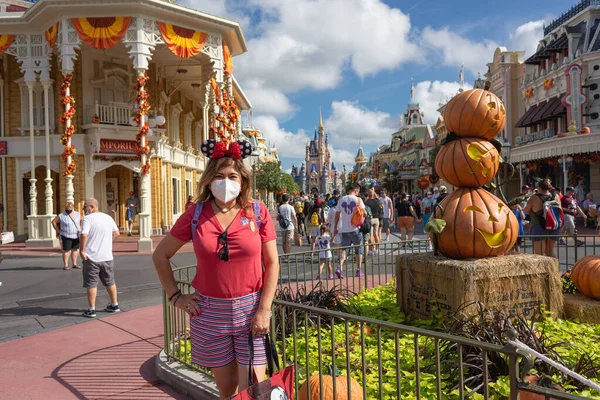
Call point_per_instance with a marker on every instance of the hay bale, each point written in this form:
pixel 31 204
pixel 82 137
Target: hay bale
pixel 518 283
pixel 585 309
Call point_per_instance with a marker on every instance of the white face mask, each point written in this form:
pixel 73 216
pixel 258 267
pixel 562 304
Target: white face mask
pixel 225 190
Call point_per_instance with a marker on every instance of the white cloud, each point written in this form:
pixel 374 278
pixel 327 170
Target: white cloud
pixel 341 157
pixel 289 144
pixel 349 122
pixel 455 50
pixel 430 94
pixel 309 44
pixel 268 101
pixel 526 37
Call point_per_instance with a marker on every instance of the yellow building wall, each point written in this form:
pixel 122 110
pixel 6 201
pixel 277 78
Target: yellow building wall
pixel 10 206
pixel 12 106
pixel 157 192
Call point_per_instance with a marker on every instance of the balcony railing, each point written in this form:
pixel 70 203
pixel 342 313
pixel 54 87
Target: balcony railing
pixel 112 113
pixel 573 11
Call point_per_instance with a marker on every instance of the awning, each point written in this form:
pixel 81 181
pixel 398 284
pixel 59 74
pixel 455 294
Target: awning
pixel 524 120
pixel 559 110
pixel 553 104
pixel 542 113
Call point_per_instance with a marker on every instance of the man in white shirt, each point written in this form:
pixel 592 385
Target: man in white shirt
pixel 351 235
pixel 287 216
pixel 97 234
pixel 388 212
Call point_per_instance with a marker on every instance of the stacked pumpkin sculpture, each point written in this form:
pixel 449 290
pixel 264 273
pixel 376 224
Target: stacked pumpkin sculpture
pixel 476 224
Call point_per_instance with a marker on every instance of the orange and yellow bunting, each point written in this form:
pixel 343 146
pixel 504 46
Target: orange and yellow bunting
pixel 5 42
pixel 51 35
pixel 227 59
pixel 101 33
pixel 182 42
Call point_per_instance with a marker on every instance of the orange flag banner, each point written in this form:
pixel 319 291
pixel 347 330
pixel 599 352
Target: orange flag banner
pixel 5 42
pixel 227 59
pixel 101 33
pixel 51 35
pixel 215 87
pixel 182 42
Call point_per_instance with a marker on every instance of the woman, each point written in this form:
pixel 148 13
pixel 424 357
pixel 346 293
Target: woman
pixel 68 226
pixel 377 210
pixel 233 295
pixel 543 244
pixel 406 218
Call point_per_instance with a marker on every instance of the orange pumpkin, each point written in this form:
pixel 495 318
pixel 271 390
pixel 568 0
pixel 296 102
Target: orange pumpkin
pixel 584 130
pixel 478 225
pixel 341 388
pixel 467 162
pixel 475 113
pixel 586 276
pixel 543 381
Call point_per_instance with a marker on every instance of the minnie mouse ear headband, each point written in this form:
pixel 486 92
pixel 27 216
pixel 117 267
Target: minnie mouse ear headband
pixel 237 150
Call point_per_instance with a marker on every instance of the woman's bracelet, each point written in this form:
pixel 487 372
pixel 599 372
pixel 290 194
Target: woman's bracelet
pixel 175 297
pixel 174 294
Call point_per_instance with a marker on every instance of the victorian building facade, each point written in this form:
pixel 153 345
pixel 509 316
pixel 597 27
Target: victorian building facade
pixel 99 107
pixel 403 162
pixel 560 89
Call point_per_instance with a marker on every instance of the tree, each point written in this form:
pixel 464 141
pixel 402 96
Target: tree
pixel 288 183
pixel 268 177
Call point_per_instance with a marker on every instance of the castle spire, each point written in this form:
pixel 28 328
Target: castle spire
pixel 320 118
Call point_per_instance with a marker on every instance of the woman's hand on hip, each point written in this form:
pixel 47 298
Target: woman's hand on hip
pixel 187 303
pixel 261 322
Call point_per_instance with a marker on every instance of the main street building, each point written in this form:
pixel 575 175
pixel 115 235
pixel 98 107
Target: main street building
pixel 103 97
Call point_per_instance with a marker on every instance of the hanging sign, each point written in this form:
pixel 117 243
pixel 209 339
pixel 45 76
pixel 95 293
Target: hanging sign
pixel 118 146
pixel 575 98
pixel 3 148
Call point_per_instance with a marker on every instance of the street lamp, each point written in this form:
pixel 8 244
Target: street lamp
pixel 255 153
pixel 506 152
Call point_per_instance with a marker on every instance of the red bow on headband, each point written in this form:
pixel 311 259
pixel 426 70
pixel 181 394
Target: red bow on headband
pixel 221 150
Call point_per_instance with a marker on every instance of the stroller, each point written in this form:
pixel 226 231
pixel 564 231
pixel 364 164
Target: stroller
pixel 591 220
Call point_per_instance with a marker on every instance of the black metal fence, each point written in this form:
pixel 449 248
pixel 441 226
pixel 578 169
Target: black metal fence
pixel 379 359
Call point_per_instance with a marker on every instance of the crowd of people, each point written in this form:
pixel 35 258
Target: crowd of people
pixel 533 212
pixel 314 217
pixel 325 221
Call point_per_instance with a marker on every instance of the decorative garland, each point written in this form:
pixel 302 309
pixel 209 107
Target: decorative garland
pixel 142 110
pixel 68 103
pixel 228 114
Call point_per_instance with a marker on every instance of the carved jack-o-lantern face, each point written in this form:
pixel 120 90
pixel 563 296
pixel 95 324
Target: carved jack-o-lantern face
pixel 478 225
pixel 475 113
pixel 467 162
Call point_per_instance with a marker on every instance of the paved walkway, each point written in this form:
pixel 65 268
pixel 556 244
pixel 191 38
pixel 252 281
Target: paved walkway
pixel 109 358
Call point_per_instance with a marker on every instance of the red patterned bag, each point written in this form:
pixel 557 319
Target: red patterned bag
pixel 279 386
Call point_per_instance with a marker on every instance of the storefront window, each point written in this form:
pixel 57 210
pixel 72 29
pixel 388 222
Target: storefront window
pixel 176 196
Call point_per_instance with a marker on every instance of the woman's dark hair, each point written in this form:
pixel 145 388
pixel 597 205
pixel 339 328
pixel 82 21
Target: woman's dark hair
pixel 545 184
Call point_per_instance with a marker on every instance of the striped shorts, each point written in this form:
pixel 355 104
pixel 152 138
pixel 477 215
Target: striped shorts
pixel 220 332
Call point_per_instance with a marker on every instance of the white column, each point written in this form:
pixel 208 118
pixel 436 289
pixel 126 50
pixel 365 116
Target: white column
pixel 32 221
pixel 145 241
pixel 49 193
pixel 70 189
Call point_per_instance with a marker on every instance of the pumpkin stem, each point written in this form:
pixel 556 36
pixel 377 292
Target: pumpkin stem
pixel 333 371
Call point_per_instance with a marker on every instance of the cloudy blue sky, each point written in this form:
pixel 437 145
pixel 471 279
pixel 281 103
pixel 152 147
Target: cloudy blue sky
pixel 355 59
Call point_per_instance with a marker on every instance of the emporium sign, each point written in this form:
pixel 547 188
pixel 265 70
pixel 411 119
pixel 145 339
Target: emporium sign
pixel 3 148
pixel 118 146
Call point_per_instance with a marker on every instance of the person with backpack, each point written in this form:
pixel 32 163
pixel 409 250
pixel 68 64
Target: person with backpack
pixel 316 219
pixel 377 214
pixel 299 209
pixel 236 273
pixel 286 215
pixel 571 208
pixel 350 210
pixel 545 211
pixel 406 219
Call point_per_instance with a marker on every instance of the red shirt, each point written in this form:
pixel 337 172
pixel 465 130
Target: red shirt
pixel 243 273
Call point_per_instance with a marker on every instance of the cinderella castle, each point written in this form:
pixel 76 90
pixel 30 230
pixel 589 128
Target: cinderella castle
pixel 318 172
